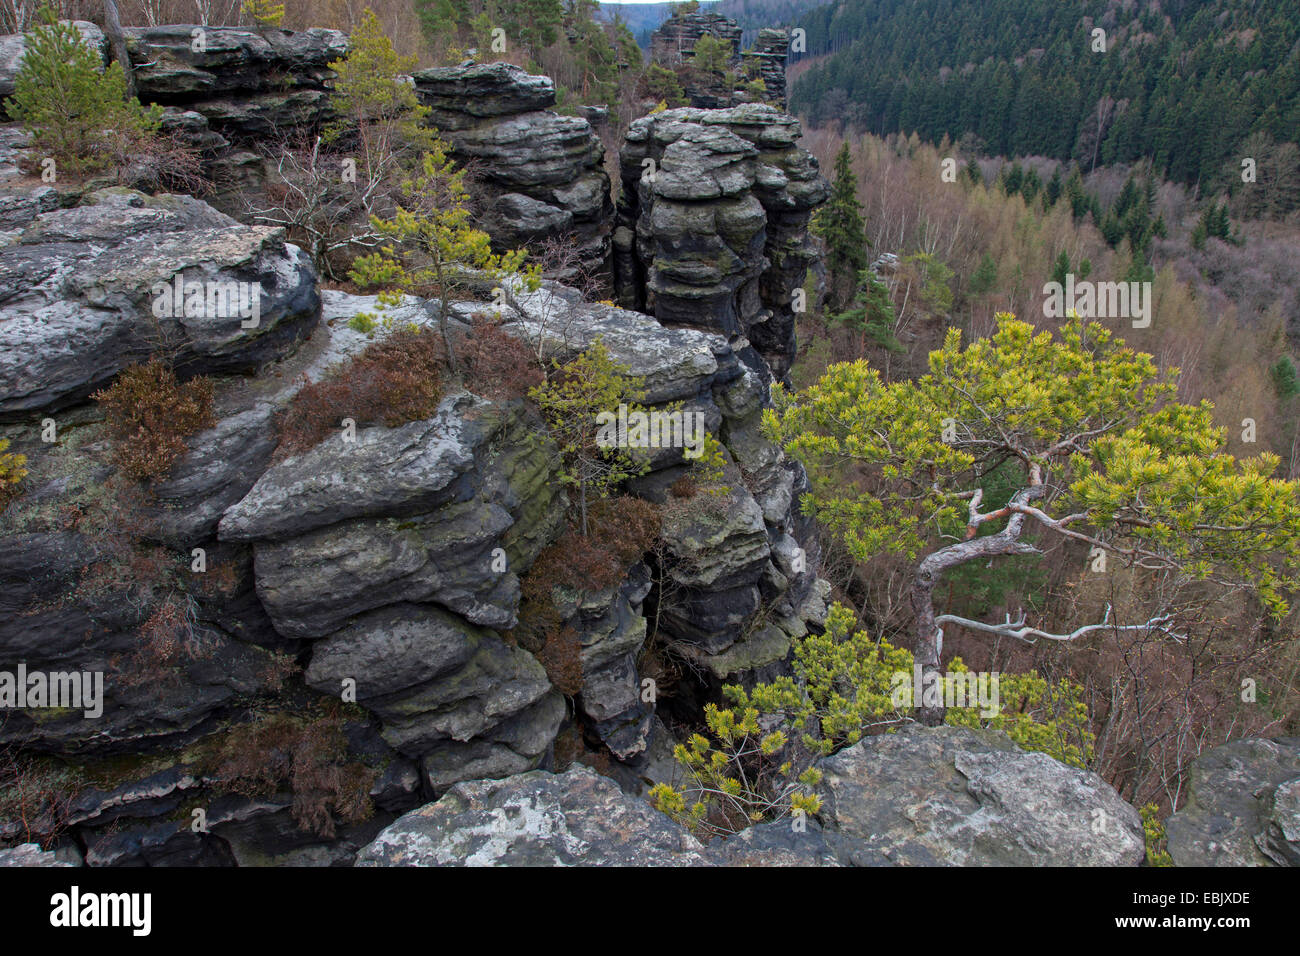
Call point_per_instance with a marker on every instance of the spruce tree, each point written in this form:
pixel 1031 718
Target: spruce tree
pixel 840 223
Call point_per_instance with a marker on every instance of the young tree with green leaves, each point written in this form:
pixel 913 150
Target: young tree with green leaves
pixel 76 111
pixel 378 111
pixel 711 55
pixel 571 400
pixel 840 224
pixel 1104 457
pixel 758 761
pixel 433 248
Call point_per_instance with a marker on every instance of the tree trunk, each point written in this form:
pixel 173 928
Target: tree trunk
pixel 927 648
pixel 117 40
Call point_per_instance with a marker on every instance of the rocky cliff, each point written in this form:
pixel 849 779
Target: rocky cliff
pixel 354 611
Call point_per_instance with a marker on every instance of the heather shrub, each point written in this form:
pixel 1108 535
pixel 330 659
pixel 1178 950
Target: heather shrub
pixel 149 415
pixel 495 364
pixel 307 755
pixel 169 637
pixel 35 795
pixel 622 531
pixel 394 381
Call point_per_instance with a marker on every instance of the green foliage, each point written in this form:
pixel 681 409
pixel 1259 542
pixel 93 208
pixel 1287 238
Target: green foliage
pixel 1285 380
pixel 935 293
pixel 12 473
pixel 435 249
pixel 711 55
pixel 1131 469
pixel 265 13
pixel 758 761
pixel 662 85
pixel 377 107
pixel 1185 86
pixel 985 277
pixel 872 313
pixel 533 23
pixel 840 224
pixel 571 401
pixel 1156 840
pixel 76 114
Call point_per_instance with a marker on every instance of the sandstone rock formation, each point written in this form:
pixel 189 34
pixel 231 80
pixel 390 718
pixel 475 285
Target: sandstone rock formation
pixel 713 223
pixel 543 174
pixel 1242 807
pixel 80 300
pixel 673 46
pixel 247 84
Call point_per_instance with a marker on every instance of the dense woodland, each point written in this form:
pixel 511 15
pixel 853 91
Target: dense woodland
pixel 1183 83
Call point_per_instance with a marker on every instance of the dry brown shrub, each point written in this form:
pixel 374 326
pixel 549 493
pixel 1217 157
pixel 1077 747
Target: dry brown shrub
pixel 495 364
pixel 168 638
pixel 394 381
pixel 561 655
pixel 623 530
pixel 149 415
pixel 308 755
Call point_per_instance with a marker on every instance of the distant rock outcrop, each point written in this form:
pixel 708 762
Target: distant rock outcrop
pixel 673 46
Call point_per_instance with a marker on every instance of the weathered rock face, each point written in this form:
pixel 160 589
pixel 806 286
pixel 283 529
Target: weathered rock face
pixel 955 797
pixel 535 819
pixel 543 174
pixel 724 557
pixel 1242 807
pixel 773 50
pixel 675 39
pixel 247 84
pixel 78 296
pixel 576 818
pixel 713 223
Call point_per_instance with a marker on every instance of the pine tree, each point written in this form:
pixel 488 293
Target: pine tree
pixel 840 223
pixel 76 115
pixel 872 314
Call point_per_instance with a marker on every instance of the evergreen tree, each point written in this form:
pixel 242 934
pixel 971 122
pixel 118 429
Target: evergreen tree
pixel 872 314
pixel 840 224
pixel 75 112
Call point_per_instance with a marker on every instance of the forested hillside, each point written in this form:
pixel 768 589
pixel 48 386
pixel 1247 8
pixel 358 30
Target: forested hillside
pixel 1183 82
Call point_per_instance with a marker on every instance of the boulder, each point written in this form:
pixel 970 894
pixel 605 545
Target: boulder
pixel 576 818
pixel 951 796
pixel 1242 806
pixel 81 300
